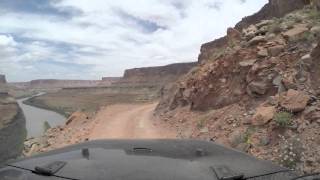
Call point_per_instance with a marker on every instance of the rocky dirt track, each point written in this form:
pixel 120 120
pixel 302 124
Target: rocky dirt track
pixel 128 122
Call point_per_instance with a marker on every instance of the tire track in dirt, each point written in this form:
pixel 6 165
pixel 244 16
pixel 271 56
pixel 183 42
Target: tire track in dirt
pixel 129 121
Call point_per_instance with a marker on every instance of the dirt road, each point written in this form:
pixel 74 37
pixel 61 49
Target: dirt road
pixel 128 121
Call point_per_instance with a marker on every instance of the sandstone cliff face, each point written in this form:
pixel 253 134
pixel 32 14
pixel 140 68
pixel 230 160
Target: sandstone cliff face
pixel 275 8
pixel 12 128
pixel 156 75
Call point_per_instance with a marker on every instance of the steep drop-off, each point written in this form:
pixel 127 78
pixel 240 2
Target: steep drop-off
pixel 12 127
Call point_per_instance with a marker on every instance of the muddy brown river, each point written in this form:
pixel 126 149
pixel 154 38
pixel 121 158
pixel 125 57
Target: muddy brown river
pixel 36 118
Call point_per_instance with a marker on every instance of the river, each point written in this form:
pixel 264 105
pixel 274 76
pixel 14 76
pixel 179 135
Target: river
pixel 36 117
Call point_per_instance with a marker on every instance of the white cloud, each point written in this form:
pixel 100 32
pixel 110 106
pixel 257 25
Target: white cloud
pixel 111 36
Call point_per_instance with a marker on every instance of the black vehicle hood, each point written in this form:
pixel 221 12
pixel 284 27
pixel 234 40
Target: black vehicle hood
pixel 148 160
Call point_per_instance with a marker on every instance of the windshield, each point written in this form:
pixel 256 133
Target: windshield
pixel 240 73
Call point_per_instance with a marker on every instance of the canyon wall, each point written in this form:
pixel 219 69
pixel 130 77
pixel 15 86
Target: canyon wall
pixel 55 83
pixel 156 75
pixel 12 127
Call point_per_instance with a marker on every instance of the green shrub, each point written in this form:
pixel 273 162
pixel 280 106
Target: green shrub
pixel 243 137
pixel 283 119
pixel 314 14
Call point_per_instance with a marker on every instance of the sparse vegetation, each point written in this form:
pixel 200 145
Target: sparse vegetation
pixel 313 14
pixel 243 137
pixel 203 120
pixel 291 151
pixel 283 119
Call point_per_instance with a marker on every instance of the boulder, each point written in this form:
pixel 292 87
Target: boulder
pixel 264 23
pixel 256 40
pixel 294 101
pixel 244 147
pixel 316 4
pixel 312 113
pixel 315 29
pixel 275 50
pixel 306 58
pixel 204 130
pixel 233 35
pixel 257 87
pixel 250 32
pixel 247 63
pixel 263 115
pixel 263 30
pixel 296 32
pixel 263 52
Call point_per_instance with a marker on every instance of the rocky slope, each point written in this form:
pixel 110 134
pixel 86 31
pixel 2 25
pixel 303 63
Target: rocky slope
pixel 256 89
pixel 12 127
pixel 275 8
pixel 155 75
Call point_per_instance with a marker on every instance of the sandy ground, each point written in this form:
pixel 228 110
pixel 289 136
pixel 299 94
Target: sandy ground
pixel 129 121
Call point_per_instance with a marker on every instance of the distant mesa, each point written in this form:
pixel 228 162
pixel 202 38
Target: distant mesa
pixel 156 75
pixel 107 81
pixel 57 83
pixel 110 79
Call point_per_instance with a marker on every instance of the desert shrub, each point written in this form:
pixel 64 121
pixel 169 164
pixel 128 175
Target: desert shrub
pixel 313 14
pixel 203 119
pixel 283 119
pixel 308 36
pixel 290 151
pixel 201 123
pixel 243 137
pixel 247 135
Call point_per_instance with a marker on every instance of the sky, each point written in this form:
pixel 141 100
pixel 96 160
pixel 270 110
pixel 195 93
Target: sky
pixel 90 39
